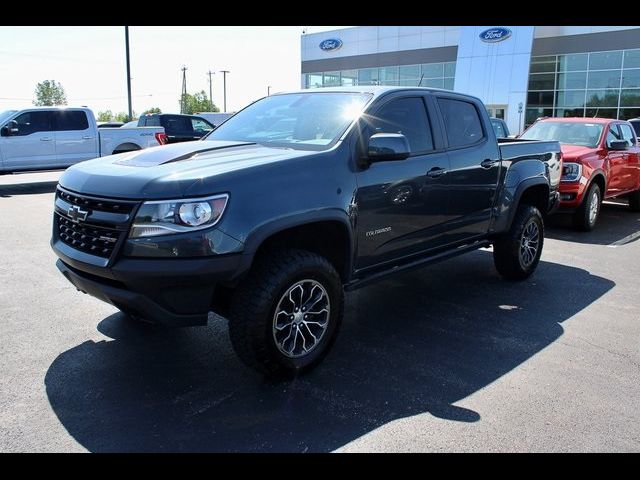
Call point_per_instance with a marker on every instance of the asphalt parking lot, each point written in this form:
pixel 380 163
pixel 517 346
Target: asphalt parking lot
pixel 448 358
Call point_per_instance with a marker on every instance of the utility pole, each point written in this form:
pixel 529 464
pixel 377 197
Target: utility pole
pixel 126 41
pixel 268 90
pixel 224 86
pixel 210 90
pixel 183 97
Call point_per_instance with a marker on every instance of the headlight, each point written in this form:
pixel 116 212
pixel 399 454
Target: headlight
pixel 176 216
pixel 571 172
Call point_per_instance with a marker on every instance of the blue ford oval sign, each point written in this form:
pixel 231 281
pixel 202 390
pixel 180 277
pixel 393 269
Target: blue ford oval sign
pixel 493 35
pixel 330 44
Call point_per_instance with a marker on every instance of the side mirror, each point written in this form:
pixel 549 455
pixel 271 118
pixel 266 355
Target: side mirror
pixel 618 145
pixel 11 128
pixel 385 147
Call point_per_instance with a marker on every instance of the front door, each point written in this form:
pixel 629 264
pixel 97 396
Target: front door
pixel 33 146
pixel 631 178
pixel 402 204
pixel 617 162
pixel 474 160
pixel 75 141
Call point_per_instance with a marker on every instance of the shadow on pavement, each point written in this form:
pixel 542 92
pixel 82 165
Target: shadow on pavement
pixel 33 188
pixel 411 345
pixel 616 225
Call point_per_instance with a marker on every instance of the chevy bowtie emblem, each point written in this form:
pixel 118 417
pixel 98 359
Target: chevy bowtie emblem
pixel 76 214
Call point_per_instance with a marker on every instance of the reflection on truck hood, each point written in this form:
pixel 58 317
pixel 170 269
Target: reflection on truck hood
pixel 572 152
pixel 183 169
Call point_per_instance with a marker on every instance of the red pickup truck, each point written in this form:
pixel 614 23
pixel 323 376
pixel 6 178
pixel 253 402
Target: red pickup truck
pixel 601 159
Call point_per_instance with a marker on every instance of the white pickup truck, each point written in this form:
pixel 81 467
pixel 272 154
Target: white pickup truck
pixel 52 137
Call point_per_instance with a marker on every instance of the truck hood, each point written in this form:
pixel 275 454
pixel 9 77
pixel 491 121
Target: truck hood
pixel 172 171
pixel 574 152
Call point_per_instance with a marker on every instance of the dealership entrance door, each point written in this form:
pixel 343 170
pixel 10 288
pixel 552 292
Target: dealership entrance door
pixel 497 111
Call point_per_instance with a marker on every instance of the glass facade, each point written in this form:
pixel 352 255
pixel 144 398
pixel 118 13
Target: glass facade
pixel 594 84
pixel 439 75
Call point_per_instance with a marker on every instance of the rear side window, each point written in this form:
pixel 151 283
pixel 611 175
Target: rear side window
pixel 70 120
pixel 177 124
pixel 149 121
pixel 498 128
pixel 407 116
pixel 33 122
pixel 627 134
pixel 462 122
pixel 201 125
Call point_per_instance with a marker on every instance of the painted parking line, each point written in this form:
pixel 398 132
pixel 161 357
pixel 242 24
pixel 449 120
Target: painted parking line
pixel 625 240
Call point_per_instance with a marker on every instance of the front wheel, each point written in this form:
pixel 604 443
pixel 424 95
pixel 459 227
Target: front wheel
pixel 516 254
pixel 587 214
pixel 286 313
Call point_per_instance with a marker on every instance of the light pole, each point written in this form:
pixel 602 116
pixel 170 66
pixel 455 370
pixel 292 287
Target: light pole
pixel 268 90
pixel 224 86
pixel 126 41
pixel 210 90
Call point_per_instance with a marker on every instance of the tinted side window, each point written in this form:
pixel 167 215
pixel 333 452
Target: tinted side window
pixel 177 124
pixel 71 120
pixel 33 122
pixel 201 125
pixel 149 122
pixel 461 121
pixel 627 134
pixel 407 116
pixel 497 128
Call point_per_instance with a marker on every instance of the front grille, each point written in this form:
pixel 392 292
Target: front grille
pixel 95 203
pixel 97 241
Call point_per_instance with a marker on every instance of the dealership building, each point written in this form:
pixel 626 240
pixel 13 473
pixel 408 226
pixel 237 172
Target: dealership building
pixel 519 72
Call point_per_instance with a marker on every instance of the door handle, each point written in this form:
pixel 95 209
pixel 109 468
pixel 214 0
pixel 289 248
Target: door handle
pixel 488 163
pixel 46 139
pixel 436 172
pixel 87 137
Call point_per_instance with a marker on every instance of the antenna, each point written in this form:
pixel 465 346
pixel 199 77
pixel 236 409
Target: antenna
pixel 420 82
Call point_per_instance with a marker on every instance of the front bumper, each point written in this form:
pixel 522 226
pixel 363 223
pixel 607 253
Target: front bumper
pixel 172 292
pixel 571 195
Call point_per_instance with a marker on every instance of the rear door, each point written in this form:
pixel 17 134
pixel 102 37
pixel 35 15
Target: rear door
pixel 474 160
pixel 33 146
pixel 402 204
pixel 75 139
pixel 631 178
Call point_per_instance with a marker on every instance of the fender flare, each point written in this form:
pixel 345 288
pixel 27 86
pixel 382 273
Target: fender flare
pixel 520 189
pixel 259 234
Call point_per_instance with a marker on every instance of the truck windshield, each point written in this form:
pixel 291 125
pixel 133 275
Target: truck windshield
pixel 572 133
pixel 6 114
pixel 305 121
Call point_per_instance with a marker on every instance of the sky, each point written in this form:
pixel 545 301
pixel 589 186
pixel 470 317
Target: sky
pixel 90 64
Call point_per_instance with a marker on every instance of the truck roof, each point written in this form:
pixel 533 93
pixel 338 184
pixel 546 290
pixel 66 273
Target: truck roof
pixel 581 120
pixel 374 89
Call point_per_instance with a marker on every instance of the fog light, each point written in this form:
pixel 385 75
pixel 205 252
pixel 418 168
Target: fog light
pixel 567 197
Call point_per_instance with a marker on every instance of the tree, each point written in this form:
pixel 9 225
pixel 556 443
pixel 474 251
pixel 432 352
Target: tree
pixel 124 117
pixel 105 116
pixel 152 110
pixel 198 102
pixel 49 93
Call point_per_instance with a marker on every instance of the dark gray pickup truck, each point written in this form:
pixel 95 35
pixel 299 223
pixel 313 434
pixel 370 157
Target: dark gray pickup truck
pixel 292 201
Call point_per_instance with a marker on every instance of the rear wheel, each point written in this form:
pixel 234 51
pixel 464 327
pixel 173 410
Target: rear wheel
pixel 634 201
pixel 586 216
pixel 516 254
pixel 286 314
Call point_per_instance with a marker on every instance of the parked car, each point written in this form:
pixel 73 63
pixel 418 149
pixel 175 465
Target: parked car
pixel 500 127
pixel 216 118
pixel 179 128
pixel 287 204
pixel 635 123
pixel 601 160
pixel 52 137
pixel 110 124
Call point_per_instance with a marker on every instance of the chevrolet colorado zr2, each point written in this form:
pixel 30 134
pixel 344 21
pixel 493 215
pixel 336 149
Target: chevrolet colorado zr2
pixel 294 200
